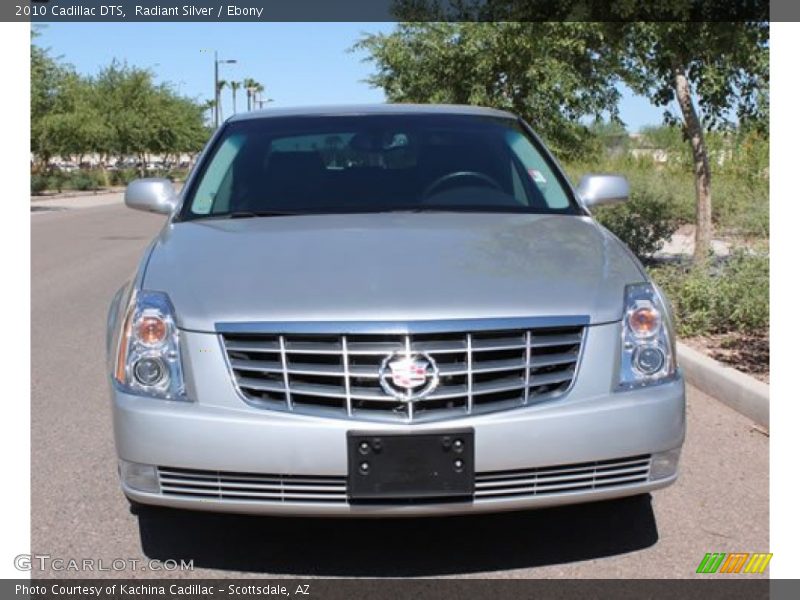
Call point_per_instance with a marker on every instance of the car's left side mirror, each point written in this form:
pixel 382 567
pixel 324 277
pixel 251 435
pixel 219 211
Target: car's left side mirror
pixel 594 190
pixel 152 195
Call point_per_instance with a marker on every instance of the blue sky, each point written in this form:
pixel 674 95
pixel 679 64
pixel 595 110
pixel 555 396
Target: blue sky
pixel 298 63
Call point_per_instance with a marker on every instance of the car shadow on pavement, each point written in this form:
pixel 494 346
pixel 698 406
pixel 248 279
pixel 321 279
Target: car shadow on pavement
pixel 399 547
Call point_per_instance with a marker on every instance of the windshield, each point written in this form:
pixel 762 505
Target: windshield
pixel 375 163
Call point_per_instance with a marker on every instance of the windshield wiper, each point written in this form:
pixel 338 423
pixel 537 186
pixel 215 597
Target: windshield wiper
pixel 249 214
pixel 415 209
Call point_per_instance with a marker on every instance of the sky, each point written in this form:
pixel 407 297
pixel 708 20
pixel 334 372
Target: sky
pixel 298 63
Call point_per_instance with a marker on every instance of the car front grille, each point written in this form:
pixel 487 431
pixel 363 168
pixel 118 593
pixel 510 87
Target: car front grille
pixel 339 375
pixel 494 485
pixel 251 486
pixel 563 479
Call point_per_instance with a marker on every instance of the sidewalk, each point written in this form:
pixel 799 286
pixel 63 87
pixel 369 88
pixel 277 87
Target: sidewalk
pixel 73 200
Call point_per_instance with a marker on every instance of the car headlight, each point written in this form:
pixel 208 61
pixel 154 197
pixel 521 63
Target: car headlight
pixel 648 352
pixel 149 355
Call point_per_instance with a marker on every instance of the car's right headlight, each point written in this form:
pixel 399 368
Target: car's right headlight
pixel 148 354
pixel 648 345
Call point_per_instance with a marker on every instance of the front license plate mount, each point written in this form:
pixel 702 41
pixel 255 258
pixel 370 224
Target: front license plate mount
pixel 409 466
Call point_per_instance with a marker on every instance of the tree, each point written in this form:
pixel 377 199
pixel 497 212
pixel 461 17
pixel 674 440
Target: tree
pixel 143 117
pixel 235 85
pixel 716 72
pixel 47 78
pixel 258 89
pixel 121 111
pixel 76 126
pixel 249 84
pixel 221 85
pixel 210 106
pixel 550 73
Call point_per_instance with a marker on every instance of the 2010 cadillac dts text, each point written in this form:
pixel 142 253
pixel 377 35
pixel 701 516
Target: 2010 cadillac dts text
pixel 391 310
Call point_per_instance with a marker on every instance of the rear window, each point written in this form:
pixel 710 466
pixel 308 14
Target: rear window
pixel 376 163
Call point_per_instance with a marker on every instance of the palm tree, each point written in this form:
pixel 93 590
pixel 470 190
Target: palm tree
pixel 221 85
pixel 209 105
pixel 235 85
pixel 248 84
pixel 257 91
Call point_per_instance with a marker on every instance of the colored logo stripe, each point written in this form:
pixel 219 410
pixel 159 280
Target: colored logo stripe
pixel 711 562
pixel 733 563
pixel 757 563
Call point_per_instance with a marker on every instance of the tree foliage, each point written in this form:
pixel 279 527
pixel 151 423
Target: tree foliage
pixel 707 75
pixel 121 111
pixel 727 65
pixel 549 73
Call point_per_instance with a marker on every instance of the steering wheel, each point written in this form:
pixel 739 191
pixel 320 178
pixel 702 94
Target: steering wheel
pixel 458 174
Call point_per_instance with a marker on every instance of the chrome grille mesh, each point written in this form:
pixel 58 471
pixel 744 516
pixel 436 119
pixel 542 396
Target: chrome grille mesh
pixel 338 375
pixel 563 479
pixel 251 486
pixel 489 485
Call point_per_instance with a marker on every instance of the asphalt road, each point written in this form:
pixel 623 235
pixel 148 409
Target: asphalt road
pixel 81 256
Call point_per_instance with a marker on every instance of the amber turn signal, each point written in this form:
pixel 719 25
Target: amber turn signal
pixel 151 330
pixel 644 321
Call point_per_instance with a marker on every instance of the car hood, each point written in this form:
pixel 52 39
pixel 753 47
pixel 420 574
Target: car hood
pixel 390 267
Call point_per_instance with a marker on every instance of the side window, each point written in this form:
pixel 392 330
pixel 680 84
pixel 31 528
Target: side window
pixel 213 193
pixel 538 170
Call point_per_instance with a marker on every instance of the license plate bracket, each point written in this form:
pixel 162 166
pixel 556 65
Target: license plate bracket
pixel 434 464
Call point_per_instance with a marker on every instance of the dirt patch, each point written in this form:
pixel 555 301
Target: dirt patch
pixel 746 353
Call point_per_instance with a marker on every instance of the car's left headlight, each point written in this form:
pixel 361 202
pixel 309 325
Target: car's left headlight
pixel 648 342
pixel 148 354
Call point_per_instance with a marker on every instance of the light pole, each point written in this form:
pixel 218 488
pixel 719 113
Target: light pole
pixel 217 63
pixel 261 102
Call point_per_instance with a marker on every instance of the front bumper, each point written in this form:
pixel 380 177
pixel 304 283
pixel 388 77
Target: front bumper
pixel 590 431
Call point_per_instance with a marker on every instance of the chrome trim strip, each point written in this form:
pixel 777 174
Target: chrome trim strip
pixel 287 389
pixel 346 363
pixel 527 367
pixel 400 327
pixel 469 374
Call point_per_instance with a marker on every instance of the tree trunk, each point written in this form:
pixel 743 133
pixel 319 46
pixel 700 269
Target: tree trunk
pixel 702 173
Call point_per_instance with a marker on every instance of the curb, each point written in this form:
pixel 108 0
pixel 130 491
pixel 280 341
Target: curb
pixel 744 394
pixel 77 194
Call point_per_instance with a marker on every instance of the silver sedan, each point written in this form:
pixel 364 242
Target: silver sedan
pixel 388 310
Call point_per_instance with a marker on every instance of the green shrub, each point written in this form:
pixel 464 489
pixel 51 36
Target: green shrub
pixel 739 180
pixel 56 180
pixel 82 181
pixel 100 177
pixel 644 223
pixel 38 183
pixel 123 176
pixel 732 296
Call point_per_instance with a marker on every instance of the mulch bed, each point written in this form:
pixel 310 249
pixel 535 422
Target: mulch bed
pixel 746 353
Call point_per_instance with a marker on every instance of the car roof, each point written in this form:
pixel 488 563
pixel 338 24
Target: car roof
pixel 372 109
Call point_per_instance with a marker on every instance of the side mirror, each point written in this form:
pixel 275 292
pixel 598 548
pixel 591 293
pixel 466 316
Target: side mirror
pixel 152 195
pixel 594 190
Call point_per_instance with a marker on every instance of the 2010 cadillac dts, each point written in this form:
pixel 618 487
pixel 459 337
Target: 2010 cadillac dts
pixel 392 310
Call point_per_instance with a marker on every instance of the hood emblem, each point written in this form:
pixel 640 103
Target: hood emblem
pixel 408 377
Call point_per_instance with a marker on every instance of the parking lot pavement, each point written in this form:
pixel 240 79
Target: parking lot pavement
pixel 80 257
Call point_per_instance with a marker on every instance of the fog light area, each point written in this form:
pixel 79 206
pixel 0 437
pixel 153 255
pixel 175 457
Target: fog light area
pixel 664 464
pixel 142 478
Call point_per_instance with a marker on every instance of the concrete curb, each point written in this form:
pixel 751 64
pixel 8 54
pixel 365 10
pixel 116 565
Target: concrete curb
pixel 744 394
pixel 76 194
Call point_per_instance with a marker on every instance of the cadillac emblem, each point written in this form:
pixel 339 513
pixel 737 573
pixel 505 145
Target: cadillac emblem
pixel 408 377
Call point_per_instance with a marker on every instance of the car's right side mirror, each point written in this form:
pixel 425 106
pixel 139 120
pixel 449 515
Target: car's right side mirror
pixel 152 195
pixel 594 190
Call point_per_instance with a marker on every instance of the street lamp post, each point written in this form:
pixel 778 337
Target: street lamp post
pixel 261 101
pixel 217 63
